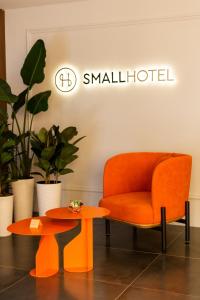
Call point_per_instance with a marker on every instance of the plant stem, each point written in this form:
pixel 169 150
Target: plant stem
pixel 17 123
pixel 56 177
pixel 25 111
pixel 25 154
pixel 47 178
pixel 22 142
pixel 29 137
pixel 12 128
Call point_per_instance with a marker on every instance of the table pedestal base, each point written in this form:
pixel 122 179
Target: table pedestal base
pixel 78 254
pixel 47 259
pixel 48 273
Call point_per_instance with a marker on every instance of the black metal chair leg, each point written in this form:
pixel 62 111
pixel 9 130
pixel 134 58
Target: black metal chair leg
pixel 163 229
pixel 107 224
pixel 187 222
pixel 107 227
pixel 135 235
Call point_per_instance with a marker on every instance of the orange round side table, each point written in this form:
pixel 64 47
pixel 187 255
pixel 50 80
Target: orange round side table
pixel 47 257
pixel 78 253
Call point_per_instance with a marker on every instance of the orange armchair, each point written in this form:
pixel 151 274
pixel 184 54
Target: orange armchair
pixel 148 190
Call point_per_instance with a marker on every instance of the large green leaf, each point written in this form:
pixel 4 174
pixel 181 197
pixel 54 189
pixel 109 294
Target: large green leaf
pixel 37 173
pixel 33 68
pixel 68 133
pixel 48 152
pixel 3 115
pixel 38 103
pixel 68 160
pixel 20 101
pixel 78 140
pixel 10 135
pixel 71 159
pixel 5 93
pixel 6 157
pixel 2 129
pixel 8 144
pixel 66 171
pixel 42 135
pixel 60 163
pixel 68 151
pixel 36 149
pixel 44 164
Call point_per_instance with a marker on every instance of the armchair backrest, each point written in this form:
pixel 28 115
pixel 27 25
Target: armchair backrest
pixel 130 172
pixel 170 185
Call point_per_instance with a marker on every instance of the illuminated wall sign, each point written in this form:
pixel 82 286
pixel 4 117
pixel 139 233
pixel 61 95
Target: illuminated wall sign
pixel 68 79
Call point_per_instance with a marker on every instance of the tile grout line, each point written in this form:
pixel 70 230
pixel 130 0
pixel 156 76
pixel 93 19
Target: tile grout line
pixel 137 277
pixel 13 284
pixel 129 250
pixel 100 280
pixel 165 291
pixel 142 251
pixel 182 256
pixel 12 267
pixel 176 238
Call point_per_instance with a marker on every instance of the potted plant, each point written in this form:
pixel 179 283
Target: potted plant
pixel 7 142
pixel 54 151
pixel 32 73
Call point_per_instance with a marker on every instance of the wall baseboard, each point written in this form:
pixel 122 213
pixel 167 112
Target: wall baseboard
pixel 92 195
pixel 92 189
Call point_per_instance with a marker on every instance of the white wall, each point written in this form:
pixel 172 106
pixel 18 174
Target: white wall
pixel 111 34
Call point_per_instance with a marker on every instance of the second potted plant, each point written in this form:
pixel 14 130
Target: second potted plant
pixel 27 105
pixel 54 151
pixel 7 142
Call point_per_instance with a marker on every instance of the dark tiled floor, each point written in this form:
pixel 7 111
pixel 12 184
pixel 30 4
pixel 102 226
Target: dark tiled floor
pixel 124 271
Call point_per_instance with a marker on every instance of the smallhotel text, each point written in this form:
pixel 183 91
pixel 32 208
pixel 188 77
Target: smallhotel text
pixel 68 78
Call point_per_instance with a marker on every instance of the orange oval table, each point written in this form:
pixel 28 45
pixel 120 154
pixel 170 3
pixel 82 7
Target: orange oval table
pixel 78 254
pixel 47 257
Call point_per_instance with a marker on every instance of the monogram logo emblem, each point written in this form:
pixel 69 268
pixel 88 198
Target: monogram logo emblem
pixel 65 80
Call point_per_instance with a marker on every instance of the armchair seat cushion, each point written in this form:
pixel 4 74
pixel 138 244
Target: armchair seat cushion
pixel 133 207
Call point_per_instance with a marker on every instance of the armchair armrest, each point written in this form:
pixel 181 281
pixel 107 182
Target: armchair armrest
pixel 170 186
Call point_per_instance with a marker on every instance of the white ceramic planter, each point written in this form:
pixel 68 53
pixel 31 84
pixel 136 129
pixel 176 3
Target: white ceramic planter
pixel 48 196
pixel 23 190
pixel 6 214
